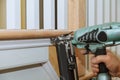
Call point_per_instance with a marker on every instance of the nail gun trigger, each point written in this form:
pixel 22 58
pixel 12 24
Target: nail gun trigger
pixel 87 49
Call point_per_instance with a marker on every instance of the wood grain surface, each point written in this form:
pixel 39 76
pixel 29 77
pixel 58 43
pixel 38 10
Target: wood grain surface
pixel 31 34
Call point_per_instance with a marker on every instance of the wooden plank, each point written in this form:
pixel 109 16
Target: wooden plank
pixel 53 59
pixel 31 34
pixel 76 14
pixel 23 14
pixel 80 66
pixel 2 14
pixel 80 63
pixel 41 10
pixel 82 13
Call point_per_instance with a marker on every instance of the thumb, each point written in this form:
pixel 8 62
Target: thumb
pixel 98 59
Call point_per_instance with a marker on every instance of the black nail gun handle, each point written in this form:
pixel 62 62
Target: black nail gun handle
pixel 103 71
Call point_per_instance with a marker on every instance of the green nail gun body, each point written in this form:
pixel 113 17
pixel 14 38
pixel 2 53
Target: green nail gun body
pixel 96 39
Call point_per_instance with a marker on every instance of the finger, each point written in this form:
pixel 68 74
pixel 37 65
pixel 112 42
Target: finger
pixel 92 59
pixel 95 65
pixel 113 74
pixel 95 70
pixel 98 59
pixel 95 74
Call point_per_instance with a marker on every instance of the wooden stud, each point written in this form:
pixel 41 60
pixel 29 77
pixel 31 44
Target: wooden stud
pixel 41 14
pixel 2 14
pixel 76 14
pixel 23 14
pixel 53 58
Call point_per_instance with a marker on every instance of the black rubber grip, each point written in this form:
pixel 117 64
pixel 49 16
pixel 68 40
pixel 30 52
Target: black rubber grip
pixel 102 66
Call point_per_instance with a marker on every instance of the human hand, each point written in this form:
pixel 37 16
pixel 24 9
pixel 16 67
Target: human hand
pixel 110 60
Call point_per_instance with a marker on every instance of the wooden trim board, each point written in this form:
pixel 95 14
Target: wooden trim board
pixel 31 34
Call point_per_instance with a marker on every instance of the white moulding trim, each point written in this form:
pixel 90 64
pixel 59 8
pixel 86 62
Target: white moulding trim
pixel 21 44
pixel 50 71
